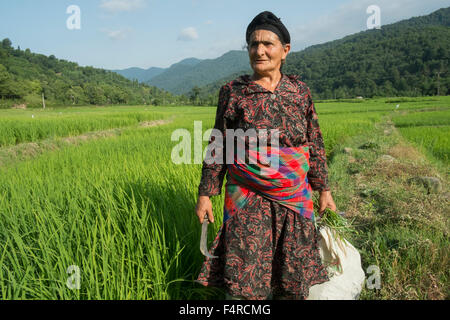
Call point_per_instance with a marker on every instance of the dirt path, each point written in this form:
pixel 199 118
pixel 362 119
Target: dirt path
pixel 403 226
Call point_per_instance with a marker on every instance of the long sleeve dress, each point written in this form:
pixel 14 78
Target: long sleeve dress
pixel 266 249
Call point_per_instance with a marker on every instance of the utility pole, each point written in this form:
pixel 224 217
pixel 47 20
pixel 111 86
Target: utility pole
pixel 438 81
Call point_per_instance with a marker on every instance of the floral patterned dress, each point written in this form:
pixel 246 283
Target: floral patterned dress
pixel 266 249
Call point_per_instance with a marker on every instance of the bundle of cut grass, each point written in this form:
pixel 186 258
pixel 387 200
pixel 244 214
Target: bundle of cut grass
pixel 341 227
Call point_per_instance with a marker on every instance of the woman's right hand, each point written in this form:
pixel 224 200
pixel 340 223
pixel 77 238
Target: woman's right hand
pixel 204 206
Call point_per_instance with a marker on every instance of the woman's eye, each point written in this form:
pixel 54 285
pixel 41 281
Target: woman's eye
pixel 265 44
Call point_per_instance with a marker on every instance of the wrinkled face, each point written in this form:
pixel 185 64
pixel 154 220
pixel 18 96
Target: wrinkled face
pixel 266 51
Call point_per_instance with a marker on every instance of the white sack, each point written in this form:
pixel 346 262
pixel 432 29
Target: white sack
pixel 344 269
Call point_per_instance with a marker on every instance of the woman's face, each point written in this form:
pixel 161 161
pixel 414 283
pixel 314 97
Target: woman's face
pixel 266 51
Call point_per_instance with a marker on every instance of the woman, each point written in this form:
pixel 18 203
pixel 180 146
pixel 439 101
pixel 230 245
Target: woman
pixel 267 244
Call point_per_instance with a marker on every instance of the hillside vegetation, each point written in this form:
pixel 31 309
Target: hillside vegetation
pixel 25 76
pixel 407 58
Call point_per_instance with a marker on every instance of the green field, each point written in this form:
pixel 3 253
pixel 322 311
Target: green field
pixel 120 210
pixel 428 130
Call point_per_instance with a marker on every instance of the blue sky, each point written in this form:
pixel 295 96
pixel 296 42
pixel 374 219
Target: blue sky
pixel 117 34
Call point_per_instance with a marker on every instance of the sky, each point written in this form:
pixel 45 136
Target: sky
pixel 118 34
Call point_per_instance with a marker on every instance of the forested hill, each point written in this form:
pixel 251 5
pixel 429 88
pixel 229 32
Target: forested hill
pixel 24 76
pixel 139 74
pixel 407 58
pixel 410 58
pixel 181 78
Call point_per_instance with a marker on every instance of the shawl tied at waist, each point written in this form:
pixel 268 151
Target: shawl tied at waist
pixel 286 183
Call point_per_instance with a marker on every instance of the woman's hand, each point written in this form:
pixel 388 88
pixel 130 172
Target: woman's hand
pixel 326 201
pixel 204 206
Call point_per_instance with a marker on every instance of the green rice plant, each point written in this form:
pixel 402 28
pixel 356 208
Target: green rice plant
pixel 428 130
pixel 433 141
pixel 428 118
pixel 342 228
pixel 119 208
pixel 31 125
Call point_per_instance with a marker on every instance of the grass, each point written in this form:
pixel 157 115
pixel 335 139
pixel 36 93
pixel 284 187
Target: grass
pixel 425 118
pixel 120 210
pixel 19 126
pixel 401 229
pixel 429 131
pixel 433 141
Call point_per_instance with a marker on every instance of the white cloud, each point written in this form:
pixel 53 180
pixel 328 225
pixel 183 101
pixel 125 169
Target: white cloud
pixel 188 34
pixel 120 34
pixel 208 22
pixel 115 6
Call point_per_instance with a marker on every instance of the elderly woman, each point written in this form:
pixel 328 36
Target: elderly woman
pixel 267 246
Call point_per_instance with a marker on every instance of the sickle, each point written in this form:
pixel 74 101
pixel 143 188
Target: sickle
pixel 204 238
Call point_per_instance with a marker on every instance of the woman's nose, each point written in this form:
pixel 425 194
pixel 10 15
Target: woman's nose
pixel 260 49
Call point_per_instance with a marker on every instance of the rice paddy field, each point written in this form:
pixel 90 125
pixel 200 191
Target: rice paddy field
pixel 428 130
pixel 116 208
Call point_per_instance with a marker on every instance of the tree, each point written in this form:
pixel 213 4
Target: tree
pixel 195 92
pixel 35 87
pixel 4 74
pixel 5 78
pixel 6 44
pixel 388 89
pixel 94 94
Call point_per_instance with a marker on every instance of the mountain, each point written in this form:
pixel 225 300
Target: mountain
pixel 141 75
pixel 25 76
pixel 409 58
pixel 191 62
pixel 181 77
pixel 145 75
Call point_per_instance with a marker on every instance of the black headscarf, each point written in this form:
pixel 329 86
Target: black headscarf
pixel 268 21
